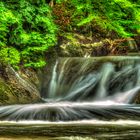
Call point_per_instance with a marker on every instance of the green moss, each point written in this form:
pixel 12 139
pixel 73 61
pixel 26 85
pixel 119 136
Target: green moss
pixel 11 93
pixel 3 91
pixel 70 37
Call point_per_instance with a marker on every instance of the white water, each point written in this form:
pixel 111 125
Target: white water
pixel 106 73
pixel 80 80
pixel 53 84
pixel 88 122
pixel 126 97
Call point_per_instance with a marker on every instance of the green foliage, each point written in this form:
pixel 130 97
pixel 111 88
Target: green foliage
pixel 10 55
pixel 120 16
pixel 26 27
pixel 28 30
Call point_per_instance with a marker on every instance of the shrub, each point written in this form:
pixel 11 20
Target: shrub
pixel 121 17
pixel 27 27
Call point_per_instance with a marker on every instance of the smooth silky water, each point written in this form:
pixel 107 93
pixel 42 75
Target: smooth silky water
pixel 85 98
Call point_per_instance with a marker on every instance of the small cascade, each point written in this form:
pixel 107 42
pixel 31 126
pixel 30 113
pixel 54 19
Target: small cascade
pixel 81 87
pixel 53 84
pixel 91 79
pixel 126 97
pixel 69 112
pixel 106 73
pixel 101 88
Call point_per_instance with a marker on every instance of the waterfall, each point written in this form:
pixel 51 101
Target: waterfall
pixel 101 88
pixel 126 97
pixel 53 84
pixel 91 79
pixel 106 72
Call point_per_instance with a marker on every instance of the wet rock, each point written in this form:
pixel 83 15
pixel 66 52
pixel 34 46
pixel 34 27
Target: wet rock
pixel 137 99
pixel 16 90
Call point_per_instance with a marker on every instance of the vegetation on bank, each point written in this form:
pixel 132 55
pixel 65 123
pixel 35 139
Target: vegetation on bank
pixel 27 31
pixel 28 28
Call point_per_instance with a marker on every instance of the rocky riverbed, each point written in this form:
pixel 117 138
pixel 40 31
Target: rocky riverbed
pixel 70 131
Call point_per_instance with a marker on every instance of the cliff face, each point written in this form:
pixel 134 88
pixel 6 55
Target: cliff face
pixel 14 89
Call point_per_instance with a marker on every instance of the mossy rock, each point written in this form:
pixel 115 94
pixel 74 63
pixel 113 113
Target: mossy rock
pixel 12 91
pixel 10 94
pixel 137 99
pixel 4 89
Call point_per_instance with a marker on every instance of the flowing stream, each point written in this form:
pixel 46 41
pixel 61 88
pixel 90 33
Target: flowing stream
pixel 84 89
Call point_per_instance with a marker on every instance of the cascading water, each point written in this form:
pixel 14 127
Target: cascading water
pixel 85 89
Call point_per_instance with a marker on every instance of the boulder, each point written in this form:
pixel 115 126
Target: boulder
pixel 16 90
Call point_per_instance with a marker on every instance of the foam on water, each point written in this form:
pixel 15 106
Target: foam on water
pixel 88 122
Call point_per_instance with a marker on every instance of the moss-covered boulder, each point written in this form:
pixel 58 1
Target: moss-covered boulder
pixel 16 90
